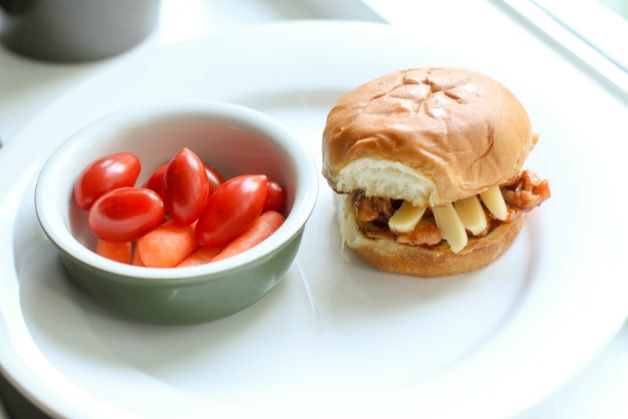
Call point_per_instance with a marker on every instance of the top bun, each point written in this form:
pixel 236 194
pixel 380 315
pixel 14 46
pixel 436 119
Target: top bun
pixel 428 135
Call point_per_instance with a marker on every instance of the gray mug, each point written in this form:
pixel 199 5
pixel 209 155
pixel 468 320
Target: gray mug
pixel 76 30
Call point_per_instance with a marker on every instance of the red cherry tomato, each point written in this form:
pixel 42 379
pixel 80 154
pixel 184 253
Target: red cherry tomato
pixel 156 180
pixel 231 209
pixel 105 174
pixel 186 187
pixel 125 214
pixel 275 196
pixel 214 178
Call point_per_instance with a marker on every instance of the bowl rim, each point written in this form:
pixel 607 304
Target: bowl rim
pixel 304 201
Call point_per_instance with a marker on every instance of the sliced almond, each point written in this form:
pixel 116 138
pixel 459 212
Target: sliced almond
pixel 406 218
pixel 450 226
pixel 471 214
pixel 495 203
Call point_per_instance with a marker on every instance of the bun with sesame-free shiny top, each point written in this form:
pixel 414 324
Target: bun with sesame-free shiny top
pixel 422 157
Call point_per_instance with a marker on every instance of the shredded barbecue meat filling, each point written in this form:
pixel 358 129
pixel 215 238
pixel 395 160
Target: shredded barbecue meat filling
pixel 373 209
pixel 525 191
pixel 522 193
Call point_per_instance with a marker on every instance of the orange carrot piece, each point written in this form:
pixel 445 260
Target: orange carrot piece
pixel 166 245
pixel 265 225
pixel 118 251
pixel 202 255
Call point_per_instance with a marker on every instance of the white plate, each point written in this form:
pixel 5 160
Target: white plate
pixel 335 335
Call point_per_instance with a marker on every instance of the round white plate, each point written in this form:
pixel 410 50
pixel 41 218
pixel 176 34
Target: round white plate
pixel 335 335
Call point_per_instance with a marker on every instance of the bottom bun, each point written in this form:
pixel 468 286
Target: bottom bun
pixel 422 261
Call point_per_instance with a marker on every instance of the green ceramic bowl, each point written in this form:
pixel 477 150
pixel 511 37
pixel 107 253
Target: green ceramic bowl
pixel 235 140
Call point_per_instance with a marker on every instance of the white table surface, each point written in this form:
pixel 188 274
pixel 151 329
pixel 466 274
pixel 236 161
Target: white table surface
pixel 26 87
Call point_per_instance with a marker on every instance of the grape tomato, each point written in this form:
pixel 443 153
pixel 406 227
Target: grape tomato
pixel 214 177
pixel 185 187
pixel 105 174
pixel 231 209
pixel 275 196
pixel 125 214
pixel 156 180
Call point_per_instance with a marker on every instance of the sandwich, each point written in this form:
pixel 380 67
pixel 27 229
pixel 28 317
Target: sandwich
pixel 426 166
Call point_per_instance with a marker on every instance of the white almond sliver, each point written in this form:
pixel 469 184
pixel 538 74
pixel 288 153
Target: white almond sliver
pixel 450 226
pixel 471 214
pixel 495 203
pixel 406 218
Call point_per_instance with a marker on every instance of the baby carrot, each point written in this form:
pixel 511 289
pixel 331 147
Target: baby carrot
pixel 202 255
pixel 166 245
pixel 265 225
pixel 118 251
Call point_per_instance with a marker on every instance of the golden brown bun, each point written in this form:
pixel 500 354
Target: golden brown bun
pixel 422 261
pixel 429 136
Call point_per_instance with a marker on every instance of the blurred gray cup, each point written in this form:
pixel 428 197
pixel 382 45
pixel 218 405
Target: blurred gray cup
pixel 76 30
